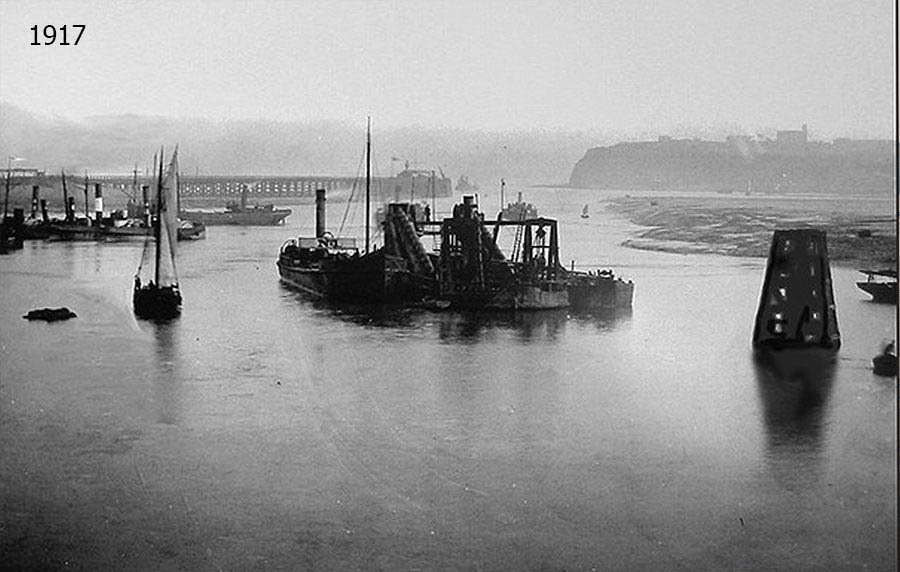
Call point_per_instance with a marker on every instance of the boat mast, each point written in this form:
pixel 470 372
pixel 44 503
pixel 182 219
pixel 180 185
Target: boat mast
pixel 157 228
pixel 62 173
pixel 368 174
pixel 87 184
pixel 6 197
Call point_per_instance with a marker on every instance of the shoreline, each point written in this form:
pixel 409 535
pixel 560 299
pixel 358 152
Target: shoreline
pixel 857 236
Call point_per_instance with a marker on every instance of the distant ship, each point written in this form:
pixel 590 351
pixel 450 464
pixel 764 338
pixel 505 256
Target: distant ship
pixel 519 210
pixel 881 285
pixel 239 214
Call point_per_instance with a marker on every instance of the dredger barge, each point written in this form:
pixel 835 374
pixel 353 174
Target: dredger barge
pixel 473 272
pixel 468 270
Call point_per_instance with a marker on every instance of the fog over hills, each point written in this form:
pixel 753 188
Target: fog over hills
pixel 115 143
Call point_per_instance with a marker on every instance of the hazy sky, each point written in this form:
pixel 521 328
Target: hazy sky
pixel 623 66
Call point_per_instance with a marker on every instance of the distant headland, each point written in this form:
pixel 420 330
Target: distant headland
pixel 789 163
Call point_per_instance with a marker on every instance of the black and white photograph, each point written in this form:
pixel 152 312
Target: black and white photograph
pixel 439 285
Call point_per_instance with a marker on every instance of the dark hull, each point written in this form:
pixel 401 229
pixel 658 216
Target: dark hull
pixel 595 293
pixel 881 292
pixel 513 297
pixel 885 365
pixel 80 232
pixel 10 239
pixel 374 278
pixel 247 217
pixel 153 303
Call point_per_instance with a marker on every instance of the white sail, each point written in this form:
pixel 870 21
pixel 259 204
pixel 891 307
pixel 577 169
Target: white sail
pixel 168 223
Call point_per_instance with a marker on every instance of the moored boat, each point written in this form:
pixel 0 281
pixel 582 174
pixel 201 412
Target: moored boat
pixel 239 214
pixel 881 285
pixel 333 268
pixel 885 363
pixel 474 273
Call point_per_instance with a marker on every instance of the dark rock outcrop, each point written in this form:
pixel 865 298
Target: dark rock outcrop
pixel 50 314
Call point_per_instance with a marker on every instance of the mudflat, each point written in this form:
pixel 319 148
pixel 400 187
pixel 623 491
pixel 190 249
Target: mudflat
pixel 861 230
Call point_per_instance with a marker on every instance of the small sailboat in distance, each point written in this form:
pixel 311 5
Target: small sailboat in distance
pixel 584 212
pixel 160 297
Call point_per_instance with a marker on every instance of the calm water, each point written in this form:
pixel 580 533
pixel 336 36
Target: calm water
pixel 263 431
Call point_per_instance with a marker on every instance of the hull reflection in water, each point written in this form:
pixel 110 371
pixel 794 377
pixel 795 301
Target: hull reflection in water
pixel 463 325
pixel 794 388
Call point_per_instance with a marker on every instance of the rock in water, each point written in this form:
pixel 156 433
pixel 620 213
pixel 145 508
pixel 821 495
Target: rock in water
pixel 50 314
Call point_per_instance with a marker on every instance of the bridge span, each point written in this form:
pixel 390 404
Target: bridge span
pixel 407 184
pixel 117 188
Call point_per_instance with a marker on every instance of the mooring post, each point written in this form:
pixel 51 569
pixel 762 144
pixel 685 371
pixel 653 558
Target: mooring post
pixel 796 306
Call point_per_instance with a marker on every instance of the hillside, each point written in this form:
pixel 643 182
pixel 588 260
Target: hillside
pixel 739 164
pixel 116 143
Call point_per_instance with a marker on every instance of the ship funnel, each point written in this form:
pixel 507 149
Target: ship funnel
pixel 145 195
pixel 44 215
pixel 35 193
pixel 98 203
pixel 320 213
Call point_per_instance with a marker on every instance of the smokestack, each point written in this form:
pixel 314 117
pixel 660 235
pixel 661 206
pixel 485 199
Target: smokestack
pixel 320 213
pixel 145 192
pixel 243 197
pixel 35 194
pixel 98 203
pixel 70 211
pixel 44 214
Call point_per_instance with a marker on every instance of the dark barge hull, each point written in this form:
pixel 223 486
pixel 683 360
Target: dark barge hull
pixel 513 297
pixel 599 292
pixel 153 303
pixel 249 217
pixel 881 292
pixel 374 278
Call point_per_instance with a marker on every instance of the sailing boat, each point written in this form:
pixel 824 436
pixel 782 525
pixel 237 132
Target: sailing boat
pixel 160 298
pixel 584 212
pixel 333 268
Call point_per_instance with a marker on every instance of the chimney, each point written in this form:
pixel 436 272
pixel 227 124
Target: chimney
pixel 35 200
pixel 98 204
pixel 320 213
pixel 44 214
pixel 70 210
pixel 145 192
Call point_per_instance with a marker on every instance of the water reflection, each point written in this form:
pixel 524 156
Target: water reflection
pixel 604 319
pixel 794 387
pixel 166 384
pixel 471 327
pixel 463 326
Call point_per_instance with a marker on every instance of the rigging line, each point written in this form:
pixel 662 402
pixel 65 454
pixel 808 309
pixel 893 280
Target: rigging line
pixel 380 199
pixel 143 254
pixel 352 193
